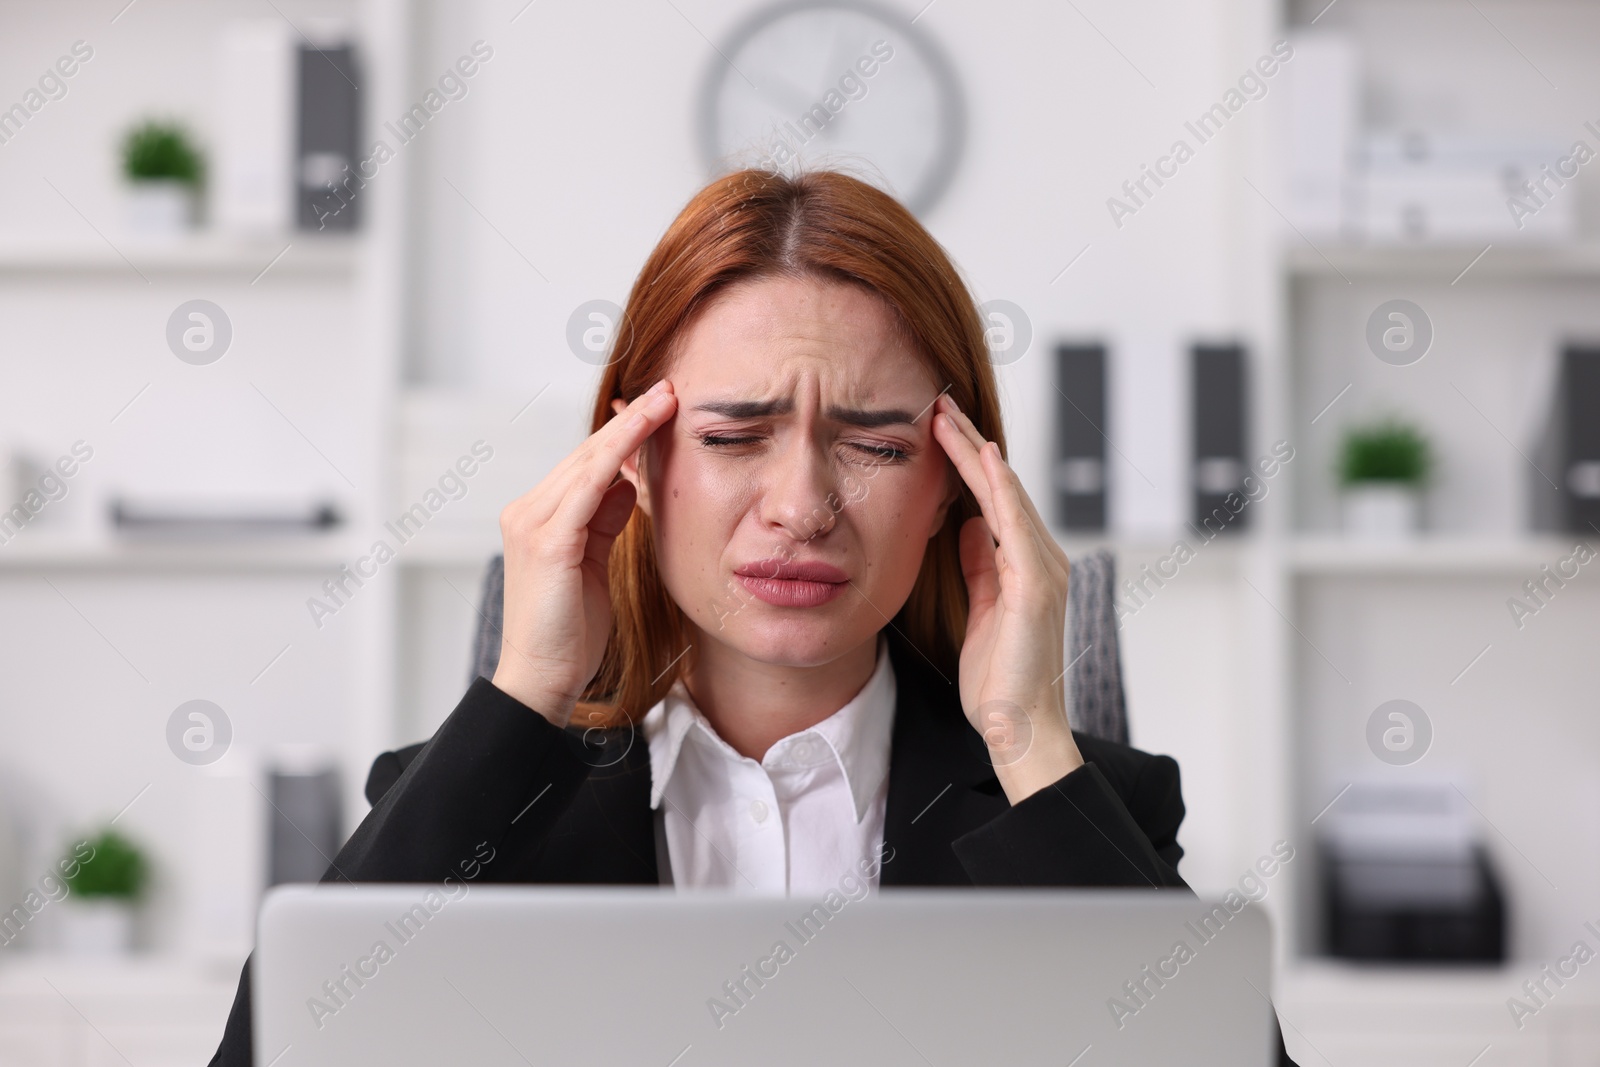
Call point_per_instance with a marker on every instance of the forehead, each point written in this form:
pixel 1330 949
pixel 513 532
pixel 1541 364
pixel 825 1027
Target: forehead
pixel 773 336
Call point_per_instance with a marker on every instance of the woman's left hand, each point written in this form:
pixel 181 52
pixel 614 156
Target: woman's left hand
pixel 1012 669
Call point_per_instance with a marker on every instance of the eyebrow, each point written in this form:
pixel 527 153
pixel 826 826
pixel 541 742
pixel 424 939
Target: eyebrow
pixel 755 409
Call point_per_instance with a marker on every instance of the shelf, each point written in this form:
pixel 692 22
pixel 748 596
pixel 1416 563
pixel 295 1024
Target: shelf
pixel 1444 262
pixel 146 1008
pixel 248 258
pixel 432 549
pixel 1387 1014
pixel 1226 550
pixel 310 553
pixel 1427 555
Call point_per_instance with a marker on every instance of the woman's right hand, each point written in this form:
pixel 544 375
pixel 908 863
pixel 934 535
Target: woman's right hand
pixel 558 541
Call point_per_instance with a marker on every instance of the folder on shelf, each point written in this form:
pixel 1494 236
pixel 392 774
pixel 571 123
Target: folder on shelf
pixel 255 154
pixel 306 823
pixel 1218 425
pixel 1406 877
pixel 1080 459
pixel 328 183
pixel 1566 487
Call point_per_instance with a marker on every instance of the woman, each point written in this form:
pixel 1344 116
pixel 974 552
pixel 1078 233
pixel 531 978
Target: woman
pixel 787 613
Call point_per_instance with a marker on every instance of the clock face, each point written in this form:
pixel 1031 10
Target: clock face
pixel 819 84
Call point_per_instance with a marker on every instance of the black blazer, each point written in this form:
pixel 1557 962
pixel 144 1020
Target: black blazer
pixel 557 806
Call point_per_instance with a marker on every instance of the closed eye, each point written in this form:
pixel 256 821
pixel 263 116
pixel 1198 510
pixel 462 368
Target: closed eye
pixel 887 453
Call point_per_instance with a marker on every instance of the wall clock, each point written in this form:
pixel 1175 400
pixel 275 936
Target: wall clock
pixel 819 83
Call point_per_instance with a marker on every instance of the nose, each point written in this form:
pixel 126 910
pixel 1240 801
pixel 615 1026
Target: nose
pixel 798 497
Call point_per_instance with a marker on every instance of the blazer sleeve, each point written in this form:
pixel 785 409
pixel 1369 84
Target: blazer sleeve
pixel 493 763
pixel 1086 831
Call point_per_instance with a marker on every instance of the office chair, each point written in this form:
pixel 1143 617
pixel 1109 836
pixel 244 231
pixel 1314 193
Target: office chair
pixel 1095 705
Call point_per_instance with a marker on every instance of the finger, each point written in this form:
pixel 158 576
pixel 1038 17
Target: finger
pixel 1042 529
pixel 968 431
pixel 1016 533
pixel 968 428
pixel 969 460
pixel 978 565
pixel 593 472
pixel 1045 539
pixel 623 435
pixel 616 506
pixel 964 454
pixel 621 428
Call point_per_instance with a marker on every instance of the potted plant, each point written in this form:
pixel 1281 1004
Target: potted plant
pixel 105 877
pixel 1382 469
pixel 164 171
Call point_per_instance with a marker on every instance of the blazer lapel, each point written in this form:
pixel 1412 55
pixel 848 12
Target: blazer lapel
pixel 941 781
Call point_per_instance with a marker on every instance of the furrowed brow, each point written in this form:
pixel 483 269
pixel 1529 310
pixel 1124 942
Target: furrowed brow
pixel 746 409
pixel 884 417
pixel 755 409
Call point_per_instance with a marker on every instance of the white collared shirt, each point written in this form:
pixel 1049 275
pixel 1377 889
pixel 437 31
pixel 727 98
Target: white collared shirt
pixel 795 823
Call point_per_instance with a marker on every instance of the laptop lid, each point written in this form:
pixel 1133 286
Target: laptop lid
pixel 409 974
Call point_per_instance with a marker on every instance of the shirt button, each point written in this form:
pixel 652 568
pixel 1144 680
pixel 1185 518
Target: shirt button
pixel 758 810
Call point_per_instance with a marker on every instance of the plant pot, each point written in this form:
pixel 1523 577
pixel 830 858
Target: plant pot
pixel 162 207
pixel 97 926
pixel 1382 510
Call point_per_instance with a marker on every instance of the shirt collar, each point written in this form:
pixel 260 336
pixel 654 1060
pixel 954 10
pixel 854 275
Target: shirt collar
pixel 857 737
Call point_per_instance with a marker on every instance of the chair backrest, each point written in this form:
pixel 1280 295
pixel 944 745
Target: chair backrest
pixel 1094 655
pixel 1094 673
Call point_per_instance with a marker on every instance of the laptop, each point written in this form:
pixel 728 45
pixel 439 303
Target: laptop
pixel 516 975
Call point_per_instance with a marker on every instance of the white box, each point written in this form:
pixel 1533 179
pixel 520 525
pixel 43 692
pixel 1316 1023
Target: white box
pixel 253 192
pixel 1419 187
pixel 1324 120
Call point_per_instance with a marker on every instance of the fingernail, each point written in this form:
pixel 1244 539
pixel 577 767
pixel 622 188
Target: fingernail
pixel 952 400
pixel 656 388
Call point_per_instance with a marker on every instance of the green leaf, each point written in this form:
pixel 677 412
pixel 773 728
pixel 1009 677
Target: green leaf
pixel 1388 451
pixel 161 150
pixel 116 868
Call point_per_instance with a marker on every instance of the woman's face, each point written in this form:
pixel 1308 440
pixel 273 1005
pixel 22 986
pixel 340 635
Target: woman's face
pixel 803 438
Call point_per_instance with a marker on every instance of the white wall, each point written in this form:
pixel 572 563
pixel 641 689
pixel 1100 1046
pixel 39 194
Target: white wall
pixel 577 144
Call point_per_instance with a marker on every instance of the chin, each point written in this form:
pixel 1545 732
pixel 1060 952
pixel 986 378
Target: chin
pixel 809 640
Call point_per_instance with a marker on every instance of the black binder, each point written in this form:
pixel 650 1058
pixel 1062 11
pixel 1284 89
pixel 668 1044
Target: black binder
pixel 1566 488
pixel 305 825
pixel 328 186
pixel 1079 474
pixel 1217 378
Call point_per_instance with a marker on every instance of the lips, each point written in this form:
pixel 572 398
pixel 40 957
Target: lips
pixel 792 584
pixel 793 570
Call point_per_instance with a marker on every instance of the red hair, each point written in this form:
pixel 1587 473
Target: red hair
pixel 752 224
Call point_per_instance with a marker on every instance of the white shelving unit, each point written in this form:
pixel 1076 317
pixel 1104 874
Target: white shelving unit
pixel 320 554
pixel 1358 623
pixel 204 255
pixel 317 332
pixel 1580 259
pixel 1426 556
